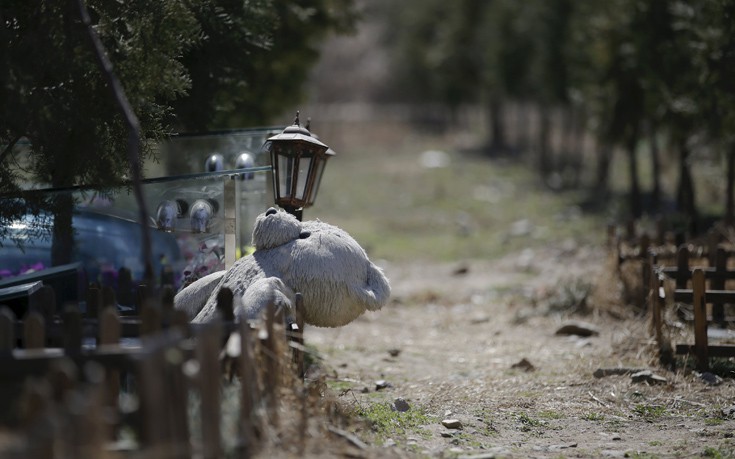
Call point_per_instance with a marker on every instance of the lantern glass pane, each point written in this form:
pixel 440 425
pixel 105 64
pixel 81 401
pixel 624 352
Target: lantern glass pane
pixel 319 165
pixel 285 176
pixel 303 179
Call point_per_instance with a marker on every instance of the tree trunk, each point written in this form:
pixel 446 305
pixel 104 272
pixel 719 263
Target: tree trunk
pixel 636 209
pixel 685 196
pixel 497 126
pixel 655 168
pixel 544 153
pixel 577 145
pixel 521 127
pixel 62 235
pixel 602 174
pixel 527 126
pixel 729 198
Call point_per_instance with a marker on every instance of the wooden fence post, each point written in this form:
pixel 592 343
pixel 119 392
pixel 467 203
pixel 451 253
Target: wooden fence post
pixel 150 317
pixel 167 302
pixel 44 301
pixel 713 242
pixel 164 397
pixel 646 273
pixel 250 427
pixel 630 230
pixel 207 354
pixel 109 334
pixel 272 368
pixel 7 329
pixel 94 299
pixel 718 283
pixel 700 320
pixel 658 305
pixel 611 235
pixel 34 333
pixel 682 267
pixel 108 297
pixel 180 321
pixel 72 329
pixel 298 336
pixel 660 231
pixel 178 404
pixel 152 392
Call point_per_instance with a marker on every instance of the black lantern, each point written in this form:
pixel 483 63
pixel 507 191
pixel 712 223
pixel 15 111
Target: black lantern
pixel 298 160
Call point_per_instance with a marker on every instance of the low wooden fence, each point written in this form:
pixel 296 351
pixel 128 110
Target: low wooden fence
pixel 68 377
pixel 698 286
pixel 695 273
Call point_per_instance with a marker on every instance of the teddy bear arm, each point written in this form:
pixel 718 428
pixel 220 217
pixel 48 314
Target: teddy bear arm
pixel 374 292
pixel 193 298
pixel 262 293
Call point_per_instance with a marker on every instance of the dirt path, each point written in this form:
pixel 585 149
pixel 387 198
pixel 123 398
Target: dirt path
pixel 450 344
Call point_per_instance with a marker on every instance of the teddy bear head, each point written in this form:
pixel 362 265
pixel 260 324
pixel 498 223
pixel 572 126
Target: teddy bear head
pixel 274 228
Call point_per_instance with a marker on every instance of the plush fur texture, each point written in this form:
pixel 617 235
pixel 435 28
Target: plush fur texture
pixel 261 293
pixel 322 262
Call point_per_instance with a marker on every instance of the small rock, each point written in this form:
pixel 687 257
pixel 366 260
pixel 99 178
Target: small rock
pixel 452 423
pixel 602 372
pixel 382 384
pixel 647 376
pixel 490 453
pixel 524 365
pixel 616 437
pixel 365 390
pixel 578 329
pixel 401 405
pixel 564 446
pixel 447 434
pixel 729 412
pixel 710 379
pixel 480 320
pixel 394 352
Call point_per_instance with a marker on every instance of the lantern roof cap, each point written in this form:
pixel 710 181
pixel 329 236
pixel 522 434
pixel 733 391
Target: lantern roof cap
pixel 297 132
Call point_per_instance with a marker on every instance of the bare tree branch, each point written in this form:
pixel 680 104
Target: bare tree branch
pixel 133 134
pixel 8 149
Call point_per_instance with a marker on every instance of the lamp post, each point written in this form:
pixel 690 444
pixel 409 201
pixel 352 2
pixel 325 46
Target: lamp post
pixel 298 160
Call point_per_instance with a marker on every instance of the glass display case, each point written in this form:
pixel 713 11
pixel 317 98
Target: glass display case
pixel 200 220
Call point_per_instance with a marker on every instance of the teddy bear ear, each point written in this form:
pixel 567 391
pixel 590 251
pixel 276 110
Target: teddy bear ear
pixel 374 293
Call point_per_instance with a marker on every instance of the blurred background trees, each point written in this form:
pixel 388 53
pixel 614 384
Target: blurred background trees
pixel 565 85
pixel 183 65
pixel 652 76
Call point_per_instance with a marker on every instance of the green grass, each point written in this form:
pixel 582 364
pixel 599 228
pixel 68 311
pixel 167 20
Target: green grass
pixel 529 423
pixel 713 421
pixel 640 455
pixel 550 414
pixel 388 423
pixel 339 386
pixel 397 209
pixel 649 412
pixel 595 417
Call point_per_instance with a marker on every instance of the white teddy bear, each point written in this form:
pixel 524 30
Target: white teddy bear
pixel 325 264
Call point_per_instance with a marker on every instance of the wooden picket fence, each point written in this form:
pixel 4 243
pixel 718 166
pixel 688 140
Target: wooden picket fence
pixel 68 376
pixel 695 273
pixel 699 284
